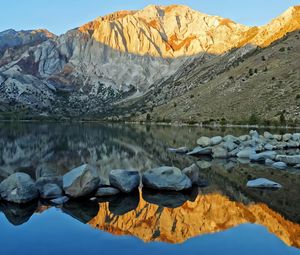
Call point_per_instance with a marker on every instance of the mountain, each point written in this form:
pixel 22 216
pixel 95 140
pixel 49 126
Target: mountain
pixel 121 57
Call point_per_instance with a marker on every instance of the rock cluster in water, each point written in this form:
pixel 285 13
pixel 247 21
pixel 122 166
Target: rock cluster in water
pixel 84 182
pixel 272 150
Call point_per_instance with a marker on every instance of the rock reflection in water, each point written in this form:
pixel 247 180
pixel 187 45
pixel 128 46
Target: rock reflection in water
pixel 207 214
pixel 18 214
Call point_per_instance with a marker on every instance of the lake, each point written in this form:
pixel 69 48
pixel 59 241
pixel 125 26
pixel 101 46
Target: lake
pixel 223 216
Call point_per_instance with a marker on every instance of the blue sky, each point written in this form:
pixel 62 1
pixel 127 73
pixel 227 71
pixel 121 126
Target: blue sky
pixel 58 16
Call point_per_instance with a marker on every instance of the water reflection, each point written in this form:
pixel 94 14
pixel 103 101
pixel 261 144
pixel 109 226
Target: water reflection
pixel 54 149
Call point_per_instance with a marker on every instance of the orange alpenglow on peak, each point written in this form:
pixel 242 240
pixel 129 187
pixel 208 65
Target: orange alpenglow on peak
pixel 177 31
pixel 207 214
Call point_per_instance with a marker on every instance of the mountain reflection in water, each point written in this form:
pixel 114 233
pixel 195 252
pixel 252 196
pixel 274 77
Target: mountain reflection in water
pixel 151 216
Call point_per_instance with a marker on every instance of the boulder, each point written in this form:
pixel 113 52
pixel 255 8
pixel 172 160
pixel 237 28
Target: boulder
pixel 216 140
pixel 124 180
pixel 277 137
pixel 231 138
pixel 246 153
pixel 269 147
pixel 107 191
pixel 81 181
pixel 18 188
pixel 263 183
pixel 229 146
pixel 204 141
pixel 280 165
pixel 254 134
pixel 60 200
pixel 50 191
pixel 192 172
pixel 202 164
pixel 200 151
pixel 292 144
pixel 46 170
pixel 166 178
pixel 296 137
pixel 220 152
pixel 261 157
pixel 297 166
pixel 290 160
pixel 244 138
pixel 287 137
pixel 268 136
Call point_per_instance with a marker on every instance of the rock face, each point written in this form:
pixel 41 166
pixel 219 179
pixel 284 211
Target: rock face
pixel 18 188
pixel 124 180
pixel 120 56
pixel 166 178
pixel 80 181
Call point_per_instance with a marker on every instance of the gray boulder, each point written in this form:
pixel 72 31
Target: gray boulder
pixel 229 146
pixel 202 164
pixel 200 151
pixel 290 160
pixel 280 165
pixel 269 147
pixel 296 137
pixel 277 137
pixel 244 138
pixel 292 144
pixel 192 172
pixel 297 166
pixel 50 191
pixel 81 181
pixel 246 153
pixel 231 138
pixel 124 180
pixel 268 136
pixel 287 137
pixel 216 140
pixel 60 200
pixel 18 188
pixel 254 134
pixel 220 152
pixel 261 157
pixel 204 141
pixel 106 191
pixel 263 183
pixel 166 178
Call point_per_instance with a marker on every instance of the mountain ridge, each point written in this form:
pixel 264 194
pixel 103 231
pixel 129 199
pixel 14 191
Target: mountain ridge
pixel 121 56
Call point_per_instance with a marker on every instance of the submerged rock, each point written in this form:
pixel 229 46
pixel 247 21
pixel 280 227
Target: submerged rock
pixel 124 180
pixel 18 188
pixel 166 178
pixel 81 181
pixel 106 191
pixel 263 183
pixel 280 165
pixel 60 200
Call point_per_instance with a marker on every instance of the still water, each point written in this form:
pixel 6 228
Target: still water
pixel 222 217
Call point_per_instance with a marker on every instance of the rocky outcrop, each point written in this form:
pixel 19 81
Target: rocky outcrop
pixel 121 56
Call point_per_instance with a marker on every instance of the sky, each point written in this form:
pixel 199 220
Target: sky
pixel 58 16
